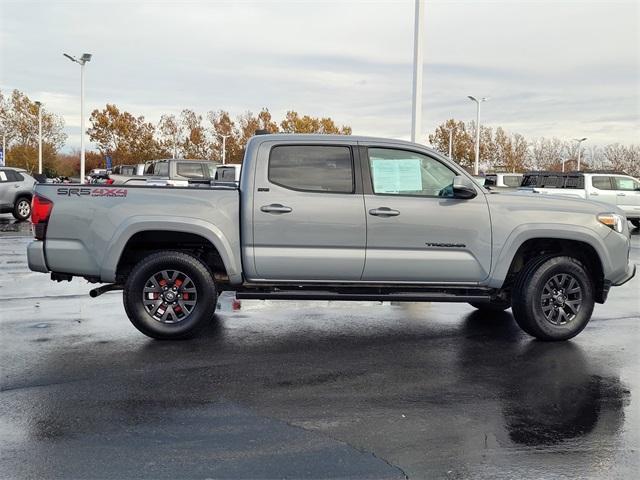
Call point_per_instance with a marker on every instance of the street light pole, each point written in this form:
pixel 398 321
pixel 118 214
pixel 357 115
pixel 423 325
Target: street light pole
pixel 476 165
pixel 81 61
pixel 224 147
pixel 450 143
pixel 579 140
pixel 416 114
pixel 4 149
pixel 39 104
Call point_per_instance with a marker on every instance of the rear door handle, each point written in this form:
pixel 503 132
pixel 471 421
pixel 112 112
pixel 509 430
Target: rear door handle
pixel 275 208
pixel 622 194
pixel 384 212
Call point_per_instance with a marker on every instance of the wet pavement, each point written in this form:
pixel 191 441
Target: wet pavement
pixel 309 390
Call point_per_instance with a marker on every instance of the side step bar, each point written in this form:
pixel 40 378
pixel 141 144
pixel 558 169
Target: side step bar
pixel 477 296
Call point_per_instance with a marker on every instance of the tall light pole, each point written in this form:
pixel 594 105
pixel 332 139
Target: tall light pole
pixel 81 61
pixel 476 166
pixel 579 140
pixel 416 114
pixel 224 147
pixel 4 148
pixel 39 104
pixel 450 143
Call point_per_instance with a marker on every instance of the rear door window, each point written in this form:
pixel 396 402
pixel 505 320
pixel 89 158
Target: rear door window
pixel 162 169
pixel 312 168
pixel 602 183
pixel 11 176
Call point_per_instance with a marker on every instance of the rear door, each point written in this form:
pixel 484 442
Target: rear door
pixel 628 195
pixel 416 231
pixel 308 214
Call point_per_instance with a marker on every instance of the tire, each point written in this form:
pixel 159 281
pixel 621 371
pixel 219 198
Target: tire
pixel 22 208
pixel 635 222
pixel 553 298
pixel 167 313
pixel 492 306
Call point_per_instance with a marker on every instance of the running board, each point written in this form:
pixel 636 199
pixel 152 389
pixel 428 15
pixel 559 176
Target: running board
pixel 477 296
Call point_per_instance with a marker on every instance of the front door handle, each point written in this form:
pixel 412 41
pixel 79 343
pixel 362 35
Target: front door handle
pixel 622 194
pixel 384 212
pixel 275 208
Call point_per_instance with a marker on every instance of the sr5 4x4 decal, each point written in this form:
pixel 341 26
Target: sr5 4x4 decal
pixel 89 192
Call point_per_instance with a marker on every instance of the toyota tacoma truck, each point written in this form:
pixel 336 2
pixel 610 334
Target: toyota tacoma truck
pixel 319 217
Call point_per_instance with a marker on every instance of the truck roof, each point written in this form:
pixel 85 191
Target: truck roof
pixel 318 137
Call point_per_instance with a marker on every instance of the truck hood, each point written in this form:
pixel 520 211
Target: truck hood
pixel 532 201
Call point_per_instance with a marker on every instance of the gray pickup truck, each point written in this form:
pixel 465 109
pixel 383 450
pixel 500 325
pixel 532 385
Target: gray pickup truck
pixel 334 218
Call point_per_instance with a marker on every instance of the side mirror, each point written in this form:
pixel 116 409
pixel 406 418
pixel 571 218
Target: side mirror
pixel 463 188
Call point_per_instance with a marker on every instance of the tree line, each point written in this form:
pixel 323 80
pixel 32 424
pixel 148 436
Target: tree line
pixel 512 152
pixel 129 139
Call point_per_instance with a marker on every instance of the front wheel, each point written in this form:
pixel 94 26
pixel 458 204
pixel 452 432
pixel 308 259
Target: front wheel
pixel 170 295
pixel 635 222
pixel 22 208
pixel 553 298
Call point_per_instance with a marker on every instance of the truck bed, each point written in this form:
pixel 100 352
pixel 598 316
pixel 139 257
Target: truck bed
pixel 91 225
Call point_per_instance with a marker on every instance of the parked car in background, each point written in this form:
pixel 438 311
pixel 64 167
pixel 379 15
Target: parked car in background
pixel 503 180
pixel 181 172
pixel 16 186
pixel 607 187
pixel 229 172
pixel 94 173
pixel 128 174
pixel 100 179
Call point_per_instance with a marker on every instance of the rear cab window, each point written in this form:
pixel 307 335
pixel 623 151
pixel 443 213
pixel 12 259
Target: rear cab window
pixel 190 170
pixel 312 168
pixel 3 176
pixel 161 169
pixel 512 180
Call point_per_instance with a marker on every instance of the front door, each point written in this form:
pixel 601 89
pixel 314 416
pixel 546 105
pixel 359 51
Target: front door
pixel 628 195
pixel 308 219
pixel 416 231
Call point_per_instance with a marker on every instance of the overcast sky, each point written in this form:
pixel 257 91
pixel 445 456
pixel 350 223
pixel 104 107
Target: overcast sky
pixel 552 68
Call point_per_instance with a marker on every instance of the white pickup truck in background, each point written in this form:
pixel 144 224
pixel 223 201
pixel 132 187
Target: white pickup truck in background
pixel 606 187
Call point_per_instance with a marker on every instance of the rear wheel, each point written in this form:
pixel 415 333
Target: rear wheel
pixel 170 295
pixel 553 298
pixel 22 208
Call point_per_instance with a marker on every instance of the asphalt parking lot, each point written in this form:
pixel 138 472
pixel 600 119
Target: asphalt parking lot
pixel 319 390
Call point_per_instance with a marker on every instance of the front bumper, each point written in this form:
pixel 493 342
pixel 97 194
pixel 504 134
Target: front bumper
pixel 35 257
pixel 629 274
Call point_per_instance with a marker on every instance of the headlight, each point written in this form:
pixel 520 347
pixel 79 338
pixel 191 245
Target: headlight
pixel 613 221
